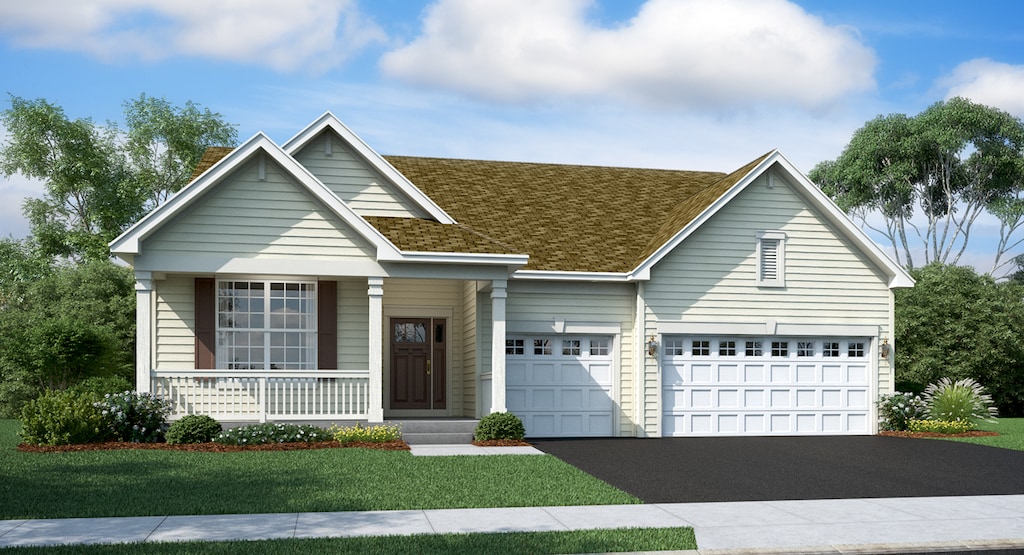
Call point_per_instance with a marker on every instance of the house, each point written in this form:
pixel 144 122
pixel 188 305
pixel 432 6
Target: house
pixel 318 280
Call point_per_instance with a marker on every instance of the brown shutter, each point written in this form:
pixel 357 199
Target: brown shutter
pixel 206 324
pixel 327 325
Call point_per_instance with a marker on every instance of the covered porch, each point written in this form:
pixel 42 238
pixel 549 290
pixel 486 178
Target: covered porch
pixel 367 348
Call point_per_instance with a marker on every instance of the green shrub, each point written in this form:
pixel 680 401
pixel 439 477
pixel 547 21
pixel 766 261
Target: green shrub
pixel 258 434
pixel 961 401
pixel 940 426
pixel 897 410
pixel 381 433
pixel 102 385
pixel 136 417
pixel 63 418
pixel 499 425
pixel 194 428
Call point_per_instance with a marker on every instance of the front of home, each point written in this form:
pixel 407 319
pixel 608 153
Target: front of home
pixel 318 280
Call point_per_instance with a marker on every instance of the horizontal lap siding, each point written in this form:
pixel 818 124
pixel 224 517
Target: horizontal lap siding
pixel 175 323
pixel 359 185
pixel 245 217
pixel 469 351
pixel 568 303
pixel 353 325
pixel 711 276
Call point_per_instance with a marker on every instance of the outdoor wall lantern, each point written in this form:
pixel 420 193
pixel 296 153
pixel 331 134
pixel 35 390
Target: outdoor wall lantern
pixel 885 348
pixel 652 347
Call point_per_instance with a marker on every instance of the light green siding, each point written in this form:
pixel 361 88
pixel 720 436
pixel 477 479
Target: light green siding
pixel 353 325
pixel 711 277
pixel 469 351
pixel 245 217
pixel 174 327
pixel 354 181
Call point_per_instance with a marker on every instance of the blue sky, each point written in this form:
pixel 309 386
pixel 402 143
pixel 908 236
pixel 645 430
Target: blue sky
pixel 684 84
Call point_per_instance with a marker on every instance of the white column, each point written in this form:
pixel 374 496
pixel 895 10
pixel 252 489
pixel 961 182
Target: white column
pixel 375 291
pixel 498 296
pixel 143 330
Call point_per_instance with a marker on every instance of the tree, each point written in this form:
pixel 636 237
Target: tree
pixel 958 324
pixel 947 166
pixel 100 180
pixel 73 323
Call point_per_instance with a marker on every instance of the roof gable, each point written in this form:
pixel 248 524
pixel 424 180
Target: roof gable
pixel 129 243
pixel 359 149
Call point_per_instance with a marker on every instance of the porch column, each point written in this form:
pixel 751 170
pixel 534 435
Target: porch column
pixel 375 408
pixel 498 295
pixel 143 330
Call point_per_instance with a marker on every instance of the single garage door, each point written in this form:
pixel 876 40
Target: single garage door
pixel 720 386
pixel 560 386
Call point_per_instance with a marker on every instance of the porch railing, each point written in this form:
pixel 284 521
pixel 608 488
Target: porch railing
pixel 250 395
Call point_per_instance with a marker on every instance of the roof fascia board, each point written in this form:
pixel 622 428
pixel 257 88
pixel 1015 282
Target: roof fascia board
pixel 552 275
pixel 516 260
pixel 330 121
pixel 898 277
pixel 129 241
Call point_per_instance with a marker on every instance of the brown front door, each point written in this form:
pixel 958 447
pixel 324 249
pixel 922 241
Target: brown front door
pixel 418 373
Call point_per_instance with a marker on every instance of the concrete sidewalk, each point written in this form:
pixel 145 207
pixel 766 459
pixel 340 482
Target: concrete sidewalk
pixel 827 526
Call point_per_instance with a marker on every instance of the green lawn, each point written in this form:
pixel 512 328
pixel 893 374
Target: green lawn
pixel 148 482
pixel 1011 434
pixel 586 541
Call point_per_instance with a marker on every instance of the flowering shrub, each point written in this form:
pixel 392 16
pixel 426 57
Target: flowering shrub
pixel 961 401
pixel 940 426
pixel 258 434
pixel 194 428
pixel 136 417
pixel 63 418
pixel 897 410
pixel 499 425
pixel 380 433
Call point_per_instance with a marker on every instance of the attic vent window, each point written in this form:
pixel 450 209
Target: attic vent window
pixel 771 259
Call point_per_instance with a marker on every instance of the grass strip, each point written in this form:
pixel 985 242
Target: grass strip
pixel 511 543
pixel 1011 434
pixel 149 483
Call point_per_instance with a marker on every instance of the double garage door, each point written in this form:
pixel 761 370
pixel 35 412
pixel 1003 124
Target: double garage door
pixel 560 386
pixel 721 386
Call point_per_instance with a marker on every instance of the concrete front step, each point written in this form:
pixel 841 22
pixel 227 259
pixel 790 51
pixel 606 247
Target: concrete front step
pixel 436 432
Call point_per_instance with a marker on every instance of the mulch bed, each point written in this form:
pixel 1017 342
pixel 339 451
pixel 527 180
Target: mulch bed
pixel 973 433
pixel 397 445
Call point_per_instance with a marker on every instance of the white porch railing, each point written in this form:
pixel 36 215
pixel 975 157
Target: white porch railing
pixel 250 395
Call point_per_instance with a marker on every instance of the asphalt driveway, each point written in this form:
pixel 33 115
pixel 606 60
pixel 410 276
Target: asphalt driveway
pixel 682 470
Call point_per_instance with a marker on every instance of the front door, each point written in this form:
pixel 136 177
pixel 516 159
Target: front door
pixel 418 357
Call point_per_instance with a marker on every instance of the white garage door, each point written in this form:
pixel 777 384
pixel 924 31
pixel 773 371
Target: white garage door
pixel 560 386
pixel 720 386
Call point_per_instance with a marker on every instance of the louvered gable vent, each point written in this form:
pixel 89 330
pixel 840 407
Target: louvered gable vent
pixel 771 259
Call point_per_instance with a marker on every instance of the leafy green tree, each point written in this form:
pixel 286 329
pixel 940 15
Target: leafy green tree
pixel 946 166
pixel 74 323
pixel 956 323
pixel 20 266
pixel 99 180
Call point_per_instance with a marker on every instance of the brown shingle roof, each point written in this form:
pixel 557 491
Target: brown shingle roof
pixel 211 156
pixel 566 218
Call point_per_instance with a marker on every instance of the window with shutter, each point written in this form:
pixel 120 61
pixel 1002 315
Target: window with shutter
pixel 771 262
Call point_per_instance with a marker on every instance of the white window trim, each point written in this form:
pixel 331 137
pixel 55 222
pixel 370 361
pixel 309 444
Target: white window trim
pixel 266 329
pixel 779 277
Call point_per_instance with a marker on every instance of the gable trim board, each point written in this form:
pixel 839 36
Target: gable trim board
pixel 665 289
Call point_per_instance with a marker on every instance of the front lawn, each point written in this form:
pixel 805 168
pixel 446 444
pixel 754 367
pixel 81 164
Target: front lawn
pixel 1011 434
pixel 148 482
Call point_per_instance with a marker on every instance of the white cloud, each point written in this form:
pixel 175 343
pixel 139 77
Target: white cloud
pixel 690 53
pixel 313 35
pixel 13 192
pixel 986 81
